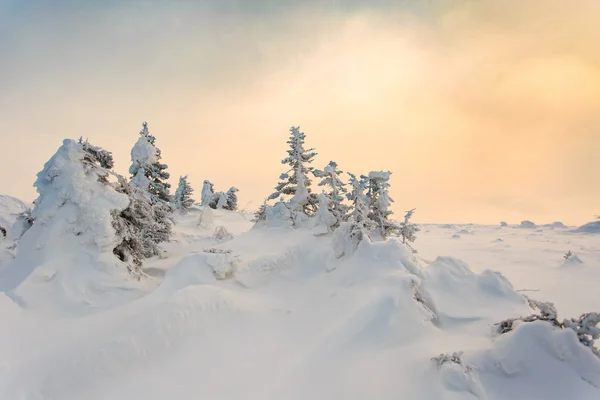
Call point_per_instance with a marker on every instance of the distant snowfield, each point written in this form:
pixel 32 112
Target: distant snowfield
pixel 292 322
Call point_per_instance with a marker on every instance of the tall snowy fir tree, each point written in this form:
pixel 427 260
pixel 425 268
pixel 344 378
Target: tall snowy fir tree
pixel 380 202
pixel 183 195
pixel 148 184
pixel 295 182
pixel 336 191
pixel 147 172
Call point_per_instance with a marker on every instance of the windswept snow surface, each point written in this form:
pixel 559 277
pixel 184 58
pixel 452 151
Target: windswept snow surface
pixel 293 322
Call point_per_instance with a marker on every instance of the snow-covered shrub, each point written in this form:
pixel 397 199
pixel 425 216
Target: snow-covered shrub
pixel 571 259
pixel 527 225
pixel 183 195
pixel 221 233
pixel 206 218
pixel 454 358
pixel 503 224
pixel 2 232
pixel 586 326
pixel 147 172
pixel 208 194
pixel 279 215
pixel 295 182
pixel 223 262
pixel 231 202
pixel 324 216
pixel 337 190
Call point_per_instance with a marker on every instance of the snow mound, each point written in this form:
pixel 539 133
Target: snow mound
pixel 462 295
pixel 537 361
pixel 465 232
pixel 556 224
pixel 590 227
pixel 527 225
pixel 573 260
pixel 456 236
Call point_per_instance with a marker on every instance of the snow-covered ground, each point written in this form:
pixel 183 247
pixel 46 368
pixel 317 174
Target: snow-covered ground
pixel 289 321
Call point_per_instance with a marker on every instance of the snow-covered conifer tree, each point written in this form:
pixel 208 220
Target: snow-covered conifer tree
pixel 183 195
pixel 380 202
pixel 295 182
pixel 74 206
pixel 337 189
pixel 208 194
pixel 407 228
pixel 261 213
pixel 147 172
pixel 232 200
pixel 348 236
pixel 325 218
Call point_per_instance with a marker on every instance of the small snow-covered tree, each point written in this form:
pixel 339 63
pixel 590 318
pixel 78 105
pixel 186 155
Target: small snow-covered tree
pixel 208 194
pixel 330 179
pixel 295 182
pixel 220 201
pixel 183 195
pixel 380 202
pixel 325 218
pixel 147 172
pixel 261 213
pixel 348 235
pixel 142 226
pixel 231 199
pixel 407 228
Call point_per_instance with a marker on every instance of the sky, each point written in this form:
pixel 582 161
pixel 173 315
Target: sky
pixel 484 110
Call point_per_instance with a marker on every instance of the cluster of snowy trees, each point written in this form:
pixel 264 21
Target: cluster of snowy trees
pixel 355 210
pixel 81 178
pixel 220 200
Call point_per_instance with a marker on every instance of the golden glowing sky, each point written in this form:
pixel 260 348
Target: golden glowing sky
pixel 484 110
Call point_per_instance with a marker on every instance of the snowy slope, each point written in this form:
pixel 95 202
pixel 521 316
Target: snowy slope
pixel 295 323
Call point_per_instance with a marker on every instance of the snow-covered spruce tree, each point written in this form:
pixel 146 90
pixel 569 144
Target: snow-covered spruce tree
pixel 407 228
pixel 147 172
pixel 232 200
pixel 261 213
pixel 183 195
pixel 348 236
pixel 74 209
pixel 295 182
pixel 337 190
pixel 208 194
pixel 380 202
